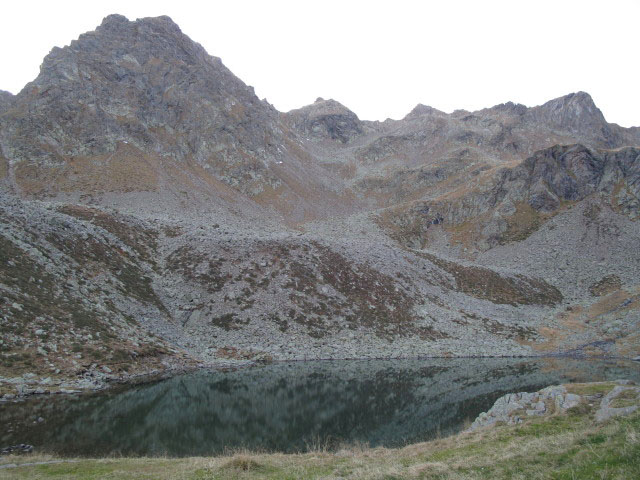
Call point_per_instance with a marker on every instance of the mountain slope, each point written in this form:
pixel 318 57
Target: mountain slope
pixel 145 190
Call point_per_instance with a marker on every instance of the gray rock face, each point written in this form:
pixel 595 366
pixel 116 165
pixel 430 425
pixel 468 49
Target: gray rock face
pixel 575 112
pixel 545 182
pixel 572 173
pixel 608 407
pixel 513 407
pixel 326 118
pixel 6 99
pixel 147 84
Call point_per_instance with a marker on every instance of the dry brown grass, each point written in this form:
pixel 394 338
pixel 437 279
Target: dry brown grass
pixel 523 223
pixel 125 170
pixel 576 319
pixel 489 285
pixel 467 234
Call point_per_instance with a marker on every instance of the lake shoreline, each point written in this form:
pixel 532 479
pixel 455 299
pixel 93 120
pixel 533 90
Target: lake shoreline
pixel 535 443
pixel 99 381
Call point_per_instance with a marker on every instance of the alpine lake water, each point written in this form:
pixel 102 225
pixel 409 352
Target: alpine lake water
pixel 289 407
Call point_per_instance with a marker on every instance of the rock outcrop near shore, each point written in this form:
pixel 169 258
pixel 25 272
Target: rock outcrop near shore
pixel 623 398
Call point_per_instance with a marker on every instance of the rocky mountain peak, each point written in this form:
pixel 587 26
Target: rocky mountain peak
pixel 113 21
pixel 509 108
pixel 575 112
pixel 116 24
pixel 326 118
pixel 579 104
pixel 421 110
pixel 328 107
pixel 119 42
pixel 146 84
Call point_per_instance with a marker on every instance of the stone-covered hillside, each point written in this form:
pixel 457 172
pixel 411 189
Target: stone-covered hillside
pixel 157 214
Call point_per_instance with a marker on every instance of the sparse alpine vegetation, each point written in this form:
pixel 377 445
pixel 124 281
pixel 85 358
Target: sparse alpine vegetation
pixel 156 215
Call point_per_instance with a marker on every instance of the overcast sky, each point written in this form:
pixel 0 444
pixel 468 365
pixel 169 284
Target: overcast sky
pixel 378 58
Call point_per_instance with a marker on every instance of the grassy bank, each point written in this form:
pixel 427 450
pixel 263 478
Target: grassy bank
pixel 556 446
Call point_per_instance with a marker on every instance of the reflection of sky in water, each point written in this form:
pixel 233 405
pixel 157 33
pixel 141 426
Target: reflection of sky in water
pixel 288 406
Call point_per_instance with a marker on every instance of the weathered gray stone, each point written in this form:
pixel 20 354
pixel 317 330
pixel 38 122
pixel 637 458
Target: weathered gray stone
pixel 535 412
pixel 606 411
pixel 570 400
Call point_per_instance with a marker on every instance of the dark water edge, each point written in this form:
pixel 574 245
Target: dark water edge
pixel 290 407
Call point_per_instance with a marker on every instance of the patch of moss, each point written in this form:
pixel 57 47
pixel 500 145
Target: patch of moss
pixel 90 251
pixel 367 298
pixel 283 325
pixel 516 332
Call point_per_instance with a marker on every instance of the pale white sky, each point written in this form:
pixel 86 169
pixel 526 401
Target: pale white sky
pixel 378 58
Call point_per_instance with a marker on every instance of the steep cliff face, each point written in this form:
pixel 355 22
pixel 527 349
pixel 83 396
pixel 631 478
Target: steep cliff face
pixel 144 188
pixel 569 174
pixel 514 202
pixel 575 112
pixel 578 115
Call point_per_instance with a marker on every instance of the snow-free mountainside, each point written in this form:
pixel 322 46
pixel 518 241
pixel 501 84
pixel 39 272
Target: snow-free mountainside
pixel 156 213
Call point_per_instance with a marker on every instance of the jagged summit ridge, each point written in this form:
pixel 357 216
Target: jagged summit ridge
pixel 326 118
pixel 146 84
pixel 420 110
pixel 566 111
pixel 140 88
pixel 116 20
pixel 139 41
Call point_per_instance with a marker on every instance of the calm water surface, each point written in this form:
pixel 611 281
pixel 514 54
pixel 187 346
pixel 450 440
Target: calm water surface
pixel 288 407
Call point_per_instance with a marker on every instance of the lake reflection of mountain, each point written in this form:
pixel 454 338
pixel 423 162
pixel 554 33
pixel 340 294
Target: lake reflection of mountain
pixel 287 406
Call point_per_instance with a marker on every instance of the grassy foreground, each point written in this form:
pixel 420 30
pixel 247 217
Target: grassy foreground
pixel 558 446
